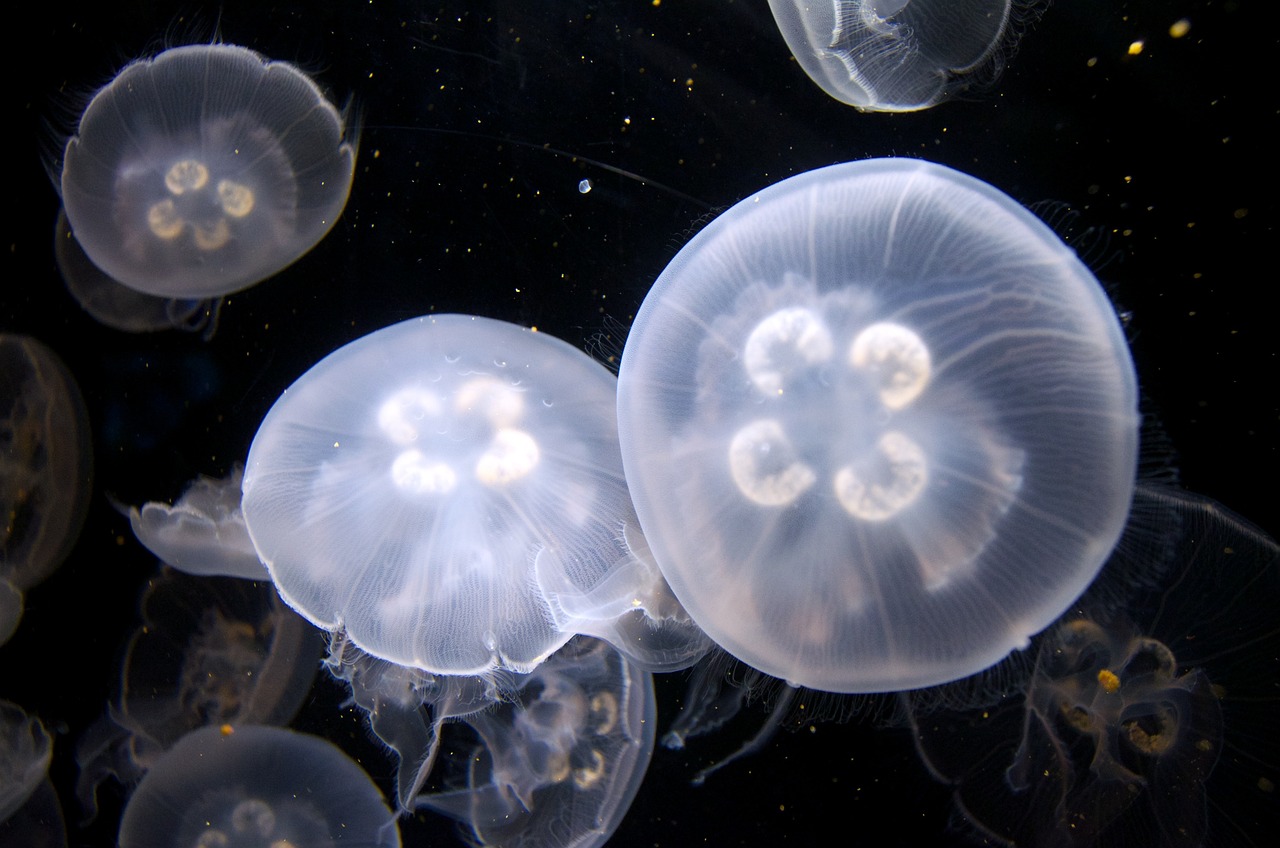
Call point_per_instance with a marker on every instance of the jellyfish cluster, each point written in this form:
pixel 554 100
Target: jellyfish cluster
pixel 871 440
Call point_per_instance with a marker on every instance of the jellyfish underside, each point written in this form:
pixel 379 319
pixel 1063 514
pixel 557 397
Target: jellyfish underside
pixel 893 55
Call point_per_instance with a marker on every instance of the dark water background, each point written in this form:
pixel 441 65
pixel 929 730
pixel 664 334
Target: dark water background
pixel 480 119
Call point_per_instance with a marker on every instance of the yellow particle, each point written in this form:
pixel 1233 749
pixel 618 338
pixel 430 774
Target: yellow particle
pixel 1136 47
pixel 1108 680
pixel 226 730
pixel 1179 28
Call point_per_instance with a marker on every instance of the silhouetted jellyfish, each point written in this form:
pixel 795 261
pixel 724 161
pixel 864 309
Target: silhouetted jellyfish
pixel 892 55
pixel 560 761
pixel 248 786
pixel 46 466
pixel 205 170
pixel 448 492
pixel 30 814
pixel 1151 724
pixel 210 651
pixel 204 532
pixel 120 307
pixel 25 751
pixel 880 426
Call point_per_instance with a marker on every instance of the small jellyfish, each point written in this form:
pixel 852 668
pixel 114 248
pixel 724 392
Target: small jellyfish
pixel 880 426
pixel 247 785
pixel 893 55
pixel 46 467
pixel 204 532
pixel 210 651
pixel 205 170
pixel 1149 724
pixel 26 749
pixel 435 488
pixel 560 761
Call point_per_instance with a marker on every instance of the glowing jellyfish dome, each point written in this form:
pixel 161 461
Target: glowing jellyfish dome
pixel 880 426
pixel 205 170
pixel 430 488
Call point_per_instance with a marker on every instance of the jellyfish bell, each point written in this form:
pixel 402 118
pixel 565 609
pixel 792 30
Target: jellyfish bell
pixel 254 785
pixel 560 761
pixel 204 170
pixel 880 426
pixel 427 487
pixel 894 55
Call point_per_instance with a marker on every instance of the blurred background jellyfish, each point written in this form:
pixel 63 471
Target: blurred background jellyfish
pixel 246 785
pixel 205 170
pixel 434 488
pixel 560 760
pixel 210 651
pixel 120 307
pixel 1144 724
pixel 46 469
pixel 204 532
pixel 894 55
pixel 30 814
pixel 880 426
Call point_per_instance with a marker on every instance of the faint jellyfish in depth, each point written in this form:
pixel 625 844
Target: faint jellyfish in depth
pixel 210 651
pixel 116 305
pixel 880 427
pixel 204 532
pixel 448 492
pixel 560 762
pixel 895 55
pixel 1151 724
pixel 205 170
pixel 46 467
pixel 249 785
pixel 30 814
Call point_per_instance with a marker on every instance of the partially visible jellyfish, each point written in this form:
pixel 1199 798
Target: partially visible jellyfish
pixel 30 814
pixel 448 493
pixel 210 651
pixel 46 466
pixel 205 170
pixel 204 532
pixel 244 785
pixel 26 749
pixel 560 762
pixel 880 427
pixel 893 55
pixel 1149 725
pixel 120 307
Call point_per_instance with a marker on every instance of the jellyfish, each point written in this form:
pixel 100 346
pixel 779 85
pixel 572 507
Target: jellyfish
pixel 560 761
pixel 210 651
pixel 253 785
pixel 205 170
pixel 1147 723
pixel 880 427
pixel 26 749
pixel 893 55
pixel 120 307
pixel 448 493
pixel 46 467
pixel 204 532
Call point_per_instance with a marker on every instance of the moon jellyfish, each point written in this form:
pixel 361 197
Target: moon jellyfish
pixel 210 651
pixel 248 785
pixel 46 466
pixel 205 170
pixel 559 762
pixel 26 749
pixel 448 493
pixel 1146 724
pixel 204 532
pixel 892 55
pixel 880 426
